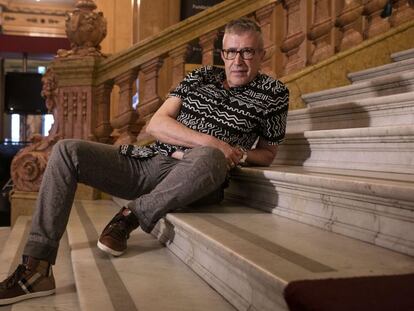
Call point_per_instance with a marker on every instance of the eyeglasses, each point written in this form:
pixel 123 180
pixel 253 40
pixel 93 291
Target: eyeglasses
pixel 246 53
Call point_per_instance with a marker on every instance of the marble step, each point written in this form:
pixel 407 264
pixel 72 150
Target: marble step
pixel 391 84
pixel 374 207
pixel 403 55
pixel 147 277
pixel 249 256
pixel 402 66
pixel 370 112
pixel 65 298
pixel 381 149
pixel 4 235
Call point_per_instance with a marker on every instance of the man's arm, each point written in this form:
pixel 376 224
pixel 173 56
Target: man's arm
pixel 164 127
pixel 263 154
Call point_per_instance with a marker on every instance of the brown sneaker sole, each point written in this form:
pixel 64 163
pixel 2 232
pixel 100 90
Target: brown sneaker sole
pixel 7 301
pixel 108 250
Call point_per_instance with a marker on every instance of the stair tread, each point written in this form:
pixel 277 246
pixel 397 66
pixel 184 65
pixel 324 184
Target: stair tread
pixel 284 249
pixel 66 297
pixel 406 54
pixel 353 91
pixel 137 279
pixel 399 66
pixel 357 176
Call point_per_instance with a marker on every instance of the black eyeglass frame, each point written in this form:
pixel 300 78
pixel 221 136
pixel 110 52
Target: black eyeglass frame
pixel 241 52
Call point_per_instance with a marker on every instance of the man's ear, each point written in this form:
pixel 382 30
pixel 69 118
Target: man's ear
pixel 263 54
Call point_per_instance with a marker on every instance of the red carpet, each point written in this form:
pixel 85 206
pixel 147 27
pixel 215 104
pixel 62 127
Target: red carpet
pixel 376 293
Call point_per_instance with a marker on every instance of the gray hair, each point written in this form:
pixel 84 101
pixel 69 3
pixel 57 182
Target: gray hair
pixel 242 25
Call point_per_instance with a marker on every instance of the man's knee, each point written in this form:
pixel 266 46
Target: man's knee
pixel 211 159
pixel 66 147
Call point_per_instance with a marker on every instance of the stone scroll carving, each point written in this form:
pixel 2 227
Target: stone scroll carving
pixel 29 164
pixel 85 30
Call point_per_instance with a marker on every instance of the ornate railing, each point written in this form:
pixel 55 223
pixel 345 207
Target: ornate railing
pixel 297 34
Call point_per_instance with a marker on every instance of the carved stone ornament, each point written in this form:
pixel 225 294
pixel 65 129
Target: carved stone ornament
pixel 85 30
pixel 50 93
pixel 29 165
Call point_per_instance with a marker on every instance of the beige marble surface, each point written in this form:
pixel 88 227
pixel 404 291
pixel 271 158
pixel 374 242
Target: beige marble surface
pixel 250 256
pixel 370 206
pixel 4 235
pixel 146 277
pixel 65 297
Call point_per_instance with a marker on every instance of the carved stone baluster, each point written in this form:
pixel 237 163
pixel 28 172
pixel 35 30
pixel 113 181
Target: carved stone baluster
pixel 102 100
pixel 376 24
pixel 178 56
pixel 125 121
pixel 319 32
pixel 294 37
pixel 346 22
pixel 207 45
pixel 264 18
pixel 402 12
pixel 149 98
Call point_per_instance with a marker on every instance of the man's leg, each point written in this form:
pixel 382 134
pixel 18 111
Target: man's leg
pixel 201 171
pixel 94 164
pixel 71 161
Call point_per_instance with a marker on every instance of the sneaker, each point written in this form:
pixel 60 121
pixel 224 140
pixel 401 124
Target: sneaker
pixel 32 279
pixel 113 239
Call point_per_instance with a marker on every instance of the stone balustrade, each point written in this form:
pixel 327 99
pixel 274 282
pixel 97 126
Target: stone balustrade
pixel 297 34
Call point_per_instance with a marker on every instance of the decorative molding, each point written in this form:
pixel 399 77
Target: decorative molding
pixel 85 30
pixel 38 9
pixel 33 25
pixel 176 36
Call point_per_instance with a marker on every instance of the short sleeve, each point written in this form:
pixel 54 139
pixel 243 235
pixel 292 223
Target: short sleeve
pixel 273 124
pixel 191 81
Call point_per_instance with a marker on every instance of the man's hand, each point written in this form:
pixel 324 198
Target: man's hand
pixel 164 127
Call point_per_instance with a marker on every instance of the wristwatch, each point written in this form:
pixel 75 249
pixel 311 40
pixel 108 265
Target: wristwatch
pixel 244 156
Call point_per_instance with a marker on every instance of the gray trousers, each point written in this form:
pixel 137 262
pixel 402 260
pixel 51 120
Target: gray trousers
pixel 157 186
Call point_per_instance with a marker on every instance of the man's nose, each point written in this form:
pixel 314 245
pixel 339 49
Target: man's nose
pixel 238 59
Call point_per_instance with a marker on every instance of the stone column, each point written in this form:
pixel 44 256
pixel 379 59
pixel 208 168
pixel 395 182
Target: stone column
pixel 206 42
pixel 319 32
pixel 402 12
pixel 294 37
pixel 376 24
pixel 149 101
pixel 264 18
pixel 125 121
pixel 346 22
pixel 102 101
pixel 178 56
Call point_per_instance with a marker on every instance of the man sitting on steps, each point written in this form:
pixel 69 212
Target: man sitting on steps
pixel 207 126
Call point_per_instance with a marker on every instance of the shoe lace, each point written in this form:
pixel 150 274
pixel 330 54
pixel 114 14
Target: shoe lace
pixel 15 277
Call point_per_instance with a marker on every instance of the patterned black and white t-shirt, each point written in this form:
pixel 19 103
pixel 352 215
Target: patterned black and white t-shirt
pixel 236 115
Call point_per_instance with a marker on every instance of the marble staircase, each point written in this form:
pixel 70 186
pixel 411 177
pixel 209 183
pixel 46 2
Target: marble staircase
pixel 66 294
pixel 337 202
pixel 146 277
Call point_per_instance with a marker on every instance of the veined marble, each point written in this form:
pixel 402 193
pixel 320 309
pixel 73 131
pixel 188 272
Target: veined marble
pixel 380 149
pixel 249 256
pixel 402 66
pixel 387 85
pixel 65 297
pixel 370 112
pixel 146 277
pixel 403 55
pixel 374 207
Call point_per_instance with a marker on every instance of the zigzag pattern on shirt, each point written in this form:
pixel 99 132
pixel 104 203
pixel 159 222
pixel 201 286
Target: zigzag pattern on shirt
pixel 221 117
pixel 237 115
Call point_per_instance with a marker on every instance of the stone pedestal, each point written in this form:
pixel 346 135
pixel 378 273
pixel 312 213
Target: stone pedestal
pixel 23 203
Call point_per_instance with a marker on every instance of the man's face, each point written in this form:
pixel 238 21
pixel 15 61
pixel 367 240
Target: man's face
pixel 241 71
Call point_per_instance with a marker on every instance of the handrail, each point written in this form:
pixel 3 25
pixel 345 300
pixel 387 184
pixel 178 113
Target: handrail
pixel 176 36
